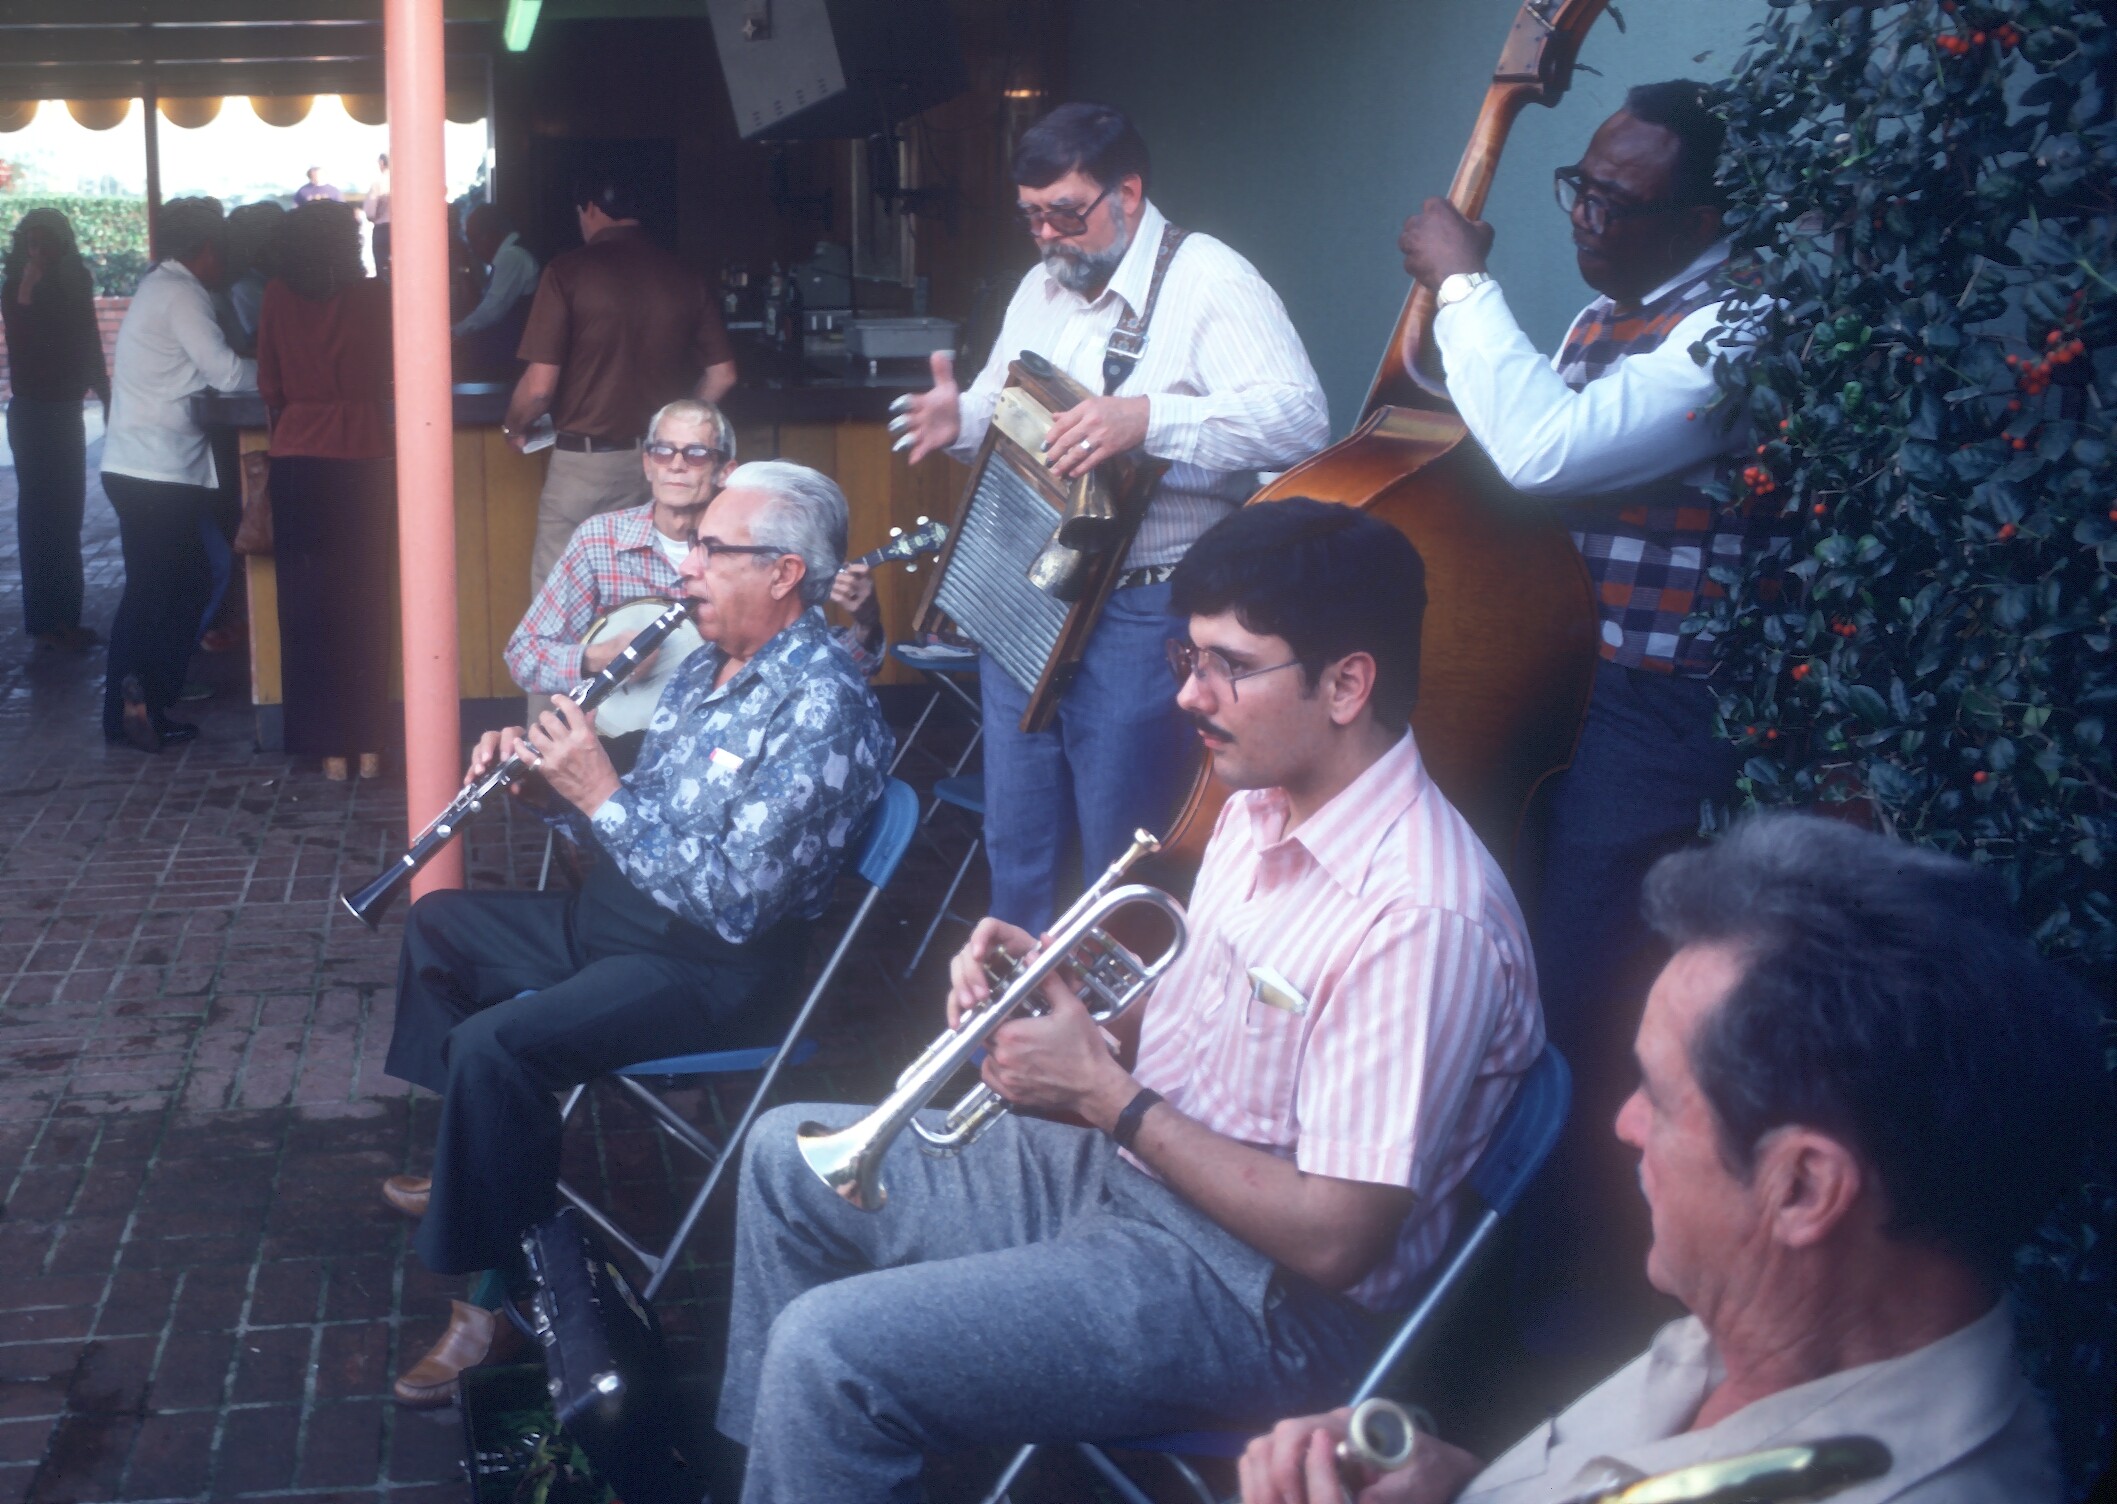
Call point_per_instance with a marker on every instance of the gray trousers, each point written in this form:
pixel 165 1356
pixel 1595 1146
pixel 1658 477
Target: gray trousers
pixel 576 488
pixel 1032 1288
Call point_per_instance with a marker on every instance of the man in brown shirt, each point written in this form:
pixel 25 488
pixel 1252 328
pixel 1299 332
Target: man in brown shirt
pixel 618 328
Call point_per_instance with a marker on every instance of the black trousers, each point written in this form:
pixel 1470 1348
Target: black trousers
pixel 612 979
pixel 167 585
pixel 49 442
pixel 331 541
pixel 1648 759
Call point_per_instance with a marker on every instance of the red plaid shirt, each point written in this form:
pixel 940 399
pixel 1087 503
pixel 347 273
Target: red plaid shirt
pixel 611 559
pixel 1650 548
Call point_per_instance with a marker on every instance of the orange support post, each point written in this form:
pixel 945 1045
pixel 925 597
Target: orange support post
pixel 426 473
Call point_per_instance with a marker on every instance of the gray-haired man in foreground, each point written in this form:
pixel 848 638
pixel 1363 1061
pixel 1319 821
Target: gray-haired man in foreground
pixel 716 855
pixel 1860 1090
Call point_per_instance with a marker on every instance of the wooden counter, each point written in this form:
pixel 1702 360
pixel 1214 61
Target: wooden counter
pixel 838 428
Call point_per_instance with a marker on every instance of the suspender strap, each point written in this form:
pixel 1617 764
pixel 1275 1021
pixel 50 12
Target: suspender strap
pixel 1128 341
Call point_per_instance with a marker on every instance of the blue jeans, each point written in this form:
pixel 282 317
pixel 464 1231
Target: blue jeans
pixel 51 482
pixel 1117 757
pixel 1036 1288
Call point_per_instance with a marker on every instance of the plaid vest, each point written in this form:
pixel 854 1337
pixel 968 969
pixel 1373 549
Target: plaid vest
pixel 1648 547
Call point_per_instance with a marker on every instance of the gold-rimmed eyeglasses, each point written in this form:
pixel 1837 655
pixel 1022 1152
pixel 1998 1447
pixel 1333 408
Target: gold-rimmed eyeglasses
pixel 1211 669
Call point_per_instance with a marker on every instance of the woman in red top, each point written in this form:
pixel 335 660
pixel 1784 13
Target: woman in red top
pixel 323 368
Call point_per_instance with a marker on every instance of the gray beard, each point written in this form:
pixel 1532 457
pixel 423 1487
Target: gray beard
pixel 1081 271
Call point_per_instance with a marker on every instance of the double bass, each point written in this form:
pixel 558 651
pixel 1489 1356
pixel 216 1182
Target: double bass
pixel 1507 657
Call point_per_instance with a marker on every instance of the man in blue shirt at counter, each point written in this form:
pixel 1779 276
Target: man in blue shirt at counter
pixel 719 848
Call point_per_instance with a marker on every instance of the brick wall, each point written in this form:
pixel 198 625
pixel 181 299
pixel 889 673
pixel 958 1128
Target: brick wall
pixel 110 312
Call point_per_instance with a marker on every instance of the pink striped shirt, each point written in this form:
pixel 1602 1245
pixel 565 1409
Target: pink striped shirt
pixel 1410 966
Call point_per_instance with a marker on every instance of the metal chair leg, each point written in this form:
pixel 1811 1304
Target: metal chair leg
pixel 913 734
pixel 998 1492
pixel 942 912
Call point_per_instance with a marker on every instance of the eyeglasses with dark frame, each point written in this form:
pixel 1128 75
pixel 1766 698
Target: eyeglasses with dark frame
pixel 697 454
pixel 1062 222
pixel 712 546
pixel 1213 670
pixel 1572 187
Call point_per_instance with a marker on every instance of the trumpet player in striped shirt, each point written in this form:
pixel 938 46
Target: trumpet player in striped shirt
pixel 1249 1206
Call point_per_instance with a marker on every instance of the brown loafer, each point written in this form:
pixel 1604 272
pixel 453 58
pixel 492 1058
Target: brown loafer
pixel 474 1336
pixel 408 1194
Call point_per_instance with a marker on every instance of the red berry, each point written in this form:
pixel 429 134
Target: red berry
pixel 1691 416
pixel 2021 443
pixel 2007 529
pixel 1979 776
pixel 1977 38
pixel 1772 735
pixel 2051 338
pixel 2014 405
pixel 2013 360
pixel 1818 510
pixel 1800 671
pixel 1783 425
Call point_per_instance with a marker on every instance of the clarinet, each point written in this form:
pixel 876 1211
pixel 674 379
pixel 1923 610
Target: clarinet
pixel 367 904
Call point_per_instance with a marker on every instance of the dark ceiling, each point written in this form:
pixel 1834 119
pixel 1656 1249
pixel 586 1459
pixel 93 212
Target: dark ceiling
pixel 100 49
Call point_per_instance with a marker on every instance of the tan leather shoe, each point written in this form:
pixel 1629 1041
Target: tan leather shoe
pixel 474 1336
pixel 408 1194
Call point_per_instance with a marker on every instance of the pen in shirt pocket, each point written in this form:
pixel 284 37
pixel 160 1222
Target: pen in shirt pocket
pixel 1268 987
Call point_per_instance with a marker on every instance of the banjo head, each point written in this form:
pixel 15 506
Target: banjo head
pixel 629 706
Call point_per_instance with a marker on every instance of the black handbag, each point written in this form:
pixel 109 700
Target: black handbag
pixel 610 1384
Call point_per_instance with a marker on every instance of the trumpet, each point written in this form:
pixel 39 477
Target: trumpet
pixel 366 904
pixel 1110 976
pixel 1380 1437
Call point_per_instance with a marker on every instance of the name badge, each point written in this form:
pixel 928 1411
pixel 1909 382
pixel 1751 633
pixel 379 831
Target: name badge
pixel 1275 991
pixel 723 758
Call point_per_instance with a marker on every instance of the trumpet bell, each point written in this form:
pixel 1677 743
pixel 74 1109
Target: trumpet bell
pixel 848 1160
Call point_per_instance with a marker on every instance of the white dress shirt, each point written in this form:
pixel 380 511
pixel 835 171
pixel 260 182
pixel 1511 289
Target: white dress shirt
pixel 1230 389
pixel 1632 426
pixel 1961 1423
pixel 169 347
pixel 514 277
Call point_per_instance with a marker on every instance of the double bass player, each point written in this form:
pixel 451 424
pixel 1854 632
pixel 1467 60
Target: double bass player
pixel 1619 430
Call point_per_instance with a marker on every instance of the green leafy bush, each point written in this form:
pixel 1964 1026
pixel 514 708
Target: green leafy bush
pixel 1929 191
pixel 112 233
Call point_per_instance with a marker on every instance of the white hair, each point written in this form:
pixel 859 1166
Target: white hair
pixel 806 515
pixel 691 410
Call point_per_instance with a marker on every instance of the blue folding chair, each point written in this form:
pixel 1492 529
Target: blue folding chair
pixel 888 836
pixel 1528 1131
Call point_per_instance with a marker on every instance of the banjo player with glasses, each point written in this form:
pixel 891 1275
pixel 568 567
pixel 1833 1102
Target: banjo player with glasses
pixel 622 568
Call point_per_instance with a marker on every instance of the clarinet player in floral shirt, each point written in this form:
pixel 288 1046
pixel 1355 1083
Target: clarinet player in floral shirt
pixel 717 850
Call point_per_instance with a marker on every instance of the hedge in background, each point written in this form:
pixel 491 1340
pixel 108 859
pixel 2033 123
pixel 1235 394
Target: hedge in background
pixel 112 233
pixel 1927 188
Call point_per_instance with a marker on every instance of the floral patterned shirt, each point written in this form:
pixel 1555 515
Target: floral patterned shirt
pixel 746 798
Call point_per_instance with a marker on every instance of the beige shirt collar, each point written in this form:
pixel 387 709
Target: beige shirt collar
pixel 1930 1407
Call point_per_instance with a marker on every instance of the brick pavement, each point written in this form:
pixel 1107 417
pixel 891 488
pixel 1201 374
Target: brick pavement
pixel 201 1295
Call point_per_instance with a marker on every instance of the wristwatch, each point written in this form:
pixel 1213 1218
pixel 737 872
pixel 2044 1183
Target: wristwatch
pixel 1457 286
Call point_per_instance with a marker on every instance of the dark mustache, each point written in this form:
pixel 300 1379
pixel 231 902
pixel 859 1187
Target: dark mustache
pixel 1205 725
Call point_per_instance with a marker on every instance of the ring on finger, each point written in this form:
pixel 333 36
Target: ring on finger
pixel 1087 443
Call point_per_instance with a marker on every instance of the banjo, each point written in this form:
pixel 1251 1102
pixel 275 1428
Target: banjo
pixel 631 704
